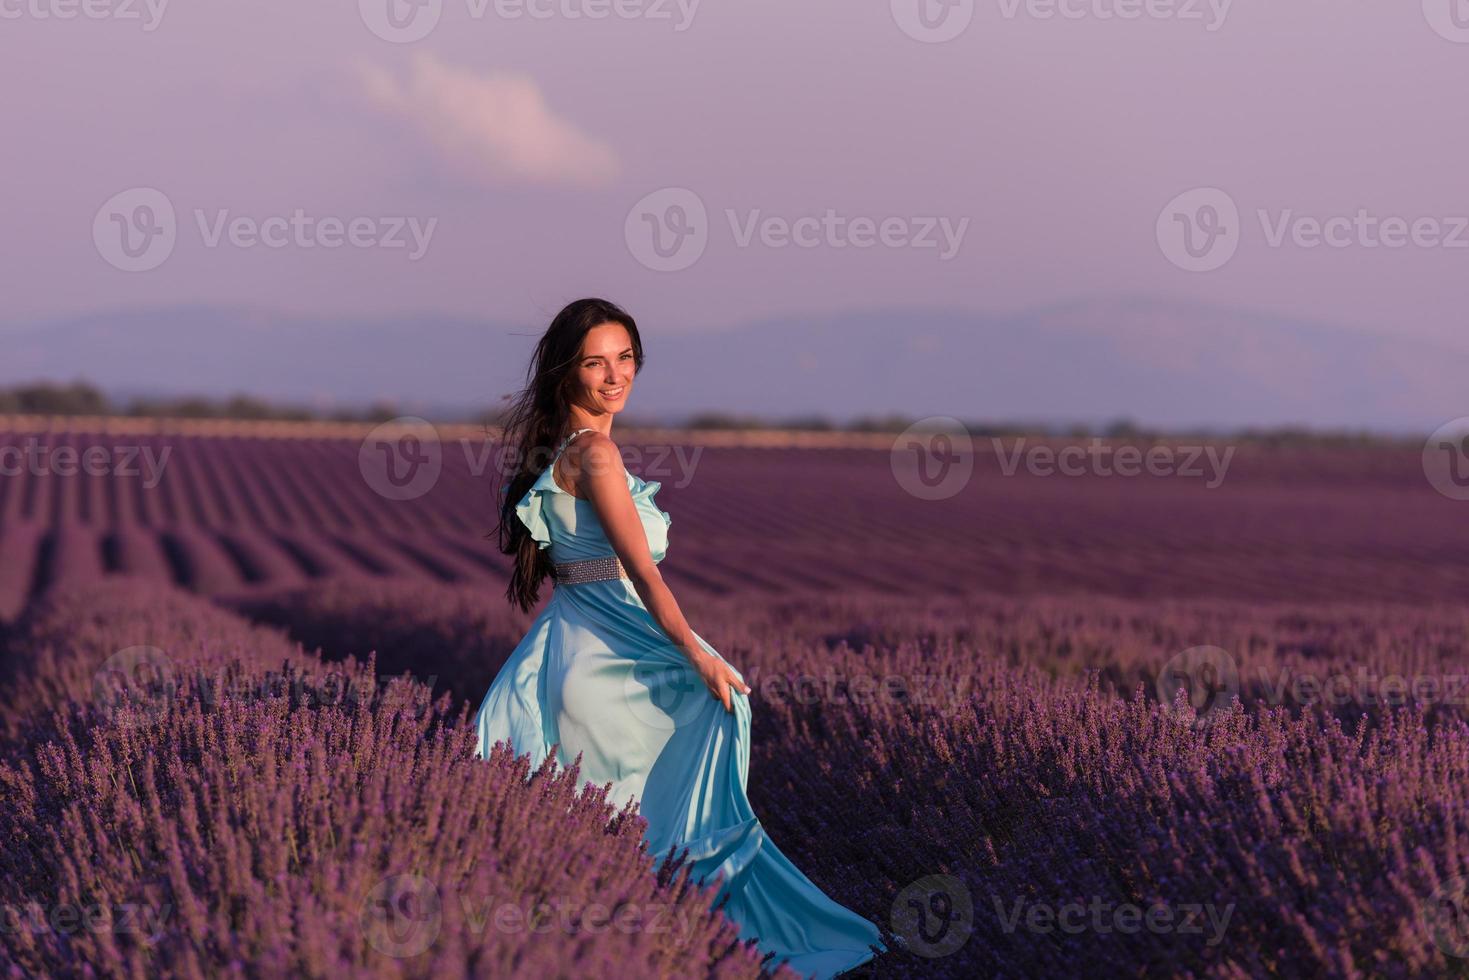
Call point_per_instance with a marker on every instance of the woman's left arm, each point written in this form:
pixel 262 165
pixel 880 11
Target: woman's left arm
pixel 603 479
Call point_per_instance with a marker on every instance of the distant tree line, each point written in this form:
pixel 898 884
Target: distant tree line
pixel 84 398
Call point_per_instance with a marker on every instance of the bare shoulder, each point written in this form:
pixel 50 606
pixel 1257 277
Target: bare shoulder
pixel 592 454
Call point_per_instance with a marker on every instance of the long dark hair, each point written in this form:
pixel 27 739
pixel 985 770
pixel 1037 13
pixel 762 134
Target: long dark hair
pixel 534 425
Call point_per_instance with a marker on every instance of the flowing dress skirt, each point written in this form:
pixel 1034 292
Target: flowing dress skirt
pixel 597 675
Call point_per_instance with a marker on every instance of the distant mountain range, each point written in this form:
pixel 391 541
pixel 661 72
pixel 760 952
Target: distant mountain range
pixel 1158 362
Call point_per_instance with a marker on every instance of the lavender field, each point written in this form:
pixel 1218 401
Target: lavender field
pixel 1100 725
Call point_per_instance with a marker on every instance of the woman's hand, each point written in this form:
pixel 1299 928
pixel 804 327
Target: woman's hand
pixel 717 675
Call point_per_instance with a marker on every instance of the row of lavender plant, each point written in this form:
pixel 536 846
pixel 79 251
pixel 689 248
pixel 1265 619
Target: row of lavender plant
pixel 87 644
pixel 453 638
pixel 1290 522
pixel 235 814
pixel 1039 824
pixel 1005 784
pixel 1346 660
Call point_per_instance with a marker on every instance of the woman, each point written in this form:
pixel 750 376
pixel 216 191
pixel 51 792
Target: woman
pixel 611 671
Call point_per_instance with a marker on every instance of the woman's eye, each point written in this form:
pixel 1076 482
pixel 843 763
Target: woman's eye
pixel 626 357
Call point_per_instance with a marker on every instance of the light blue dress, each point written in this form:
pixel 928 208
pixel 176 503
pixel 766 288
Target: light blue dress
pixel 597 674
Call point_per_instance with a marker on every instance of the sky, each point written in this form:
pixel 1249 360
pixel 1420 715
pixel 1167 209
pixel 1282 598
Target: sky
pixel 709 163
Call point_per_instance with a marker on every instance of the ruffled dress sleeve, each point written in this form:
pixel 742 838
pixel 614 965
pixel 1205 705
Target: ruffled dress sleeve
pixel 531 508
pixel 646 490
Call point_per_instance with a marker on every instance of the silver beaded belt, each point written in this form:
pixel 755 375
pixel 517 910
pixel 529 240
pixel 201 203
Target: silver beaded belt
pixel 588 570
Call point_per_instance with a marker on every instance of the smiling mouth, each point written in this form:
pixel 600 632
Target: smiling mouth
pixel 615 392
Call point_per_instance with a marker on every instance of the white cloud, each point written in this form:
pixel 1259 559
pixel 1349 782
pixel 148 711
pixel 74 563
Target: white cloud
pixel 494 126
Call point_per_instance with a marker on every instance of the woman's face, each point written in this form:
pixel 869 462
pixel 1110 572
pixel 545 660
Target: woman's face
pixel 606 368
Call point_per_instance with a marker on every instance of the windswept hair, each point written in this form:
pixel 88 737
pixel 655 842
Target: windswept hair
pixel 534 426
